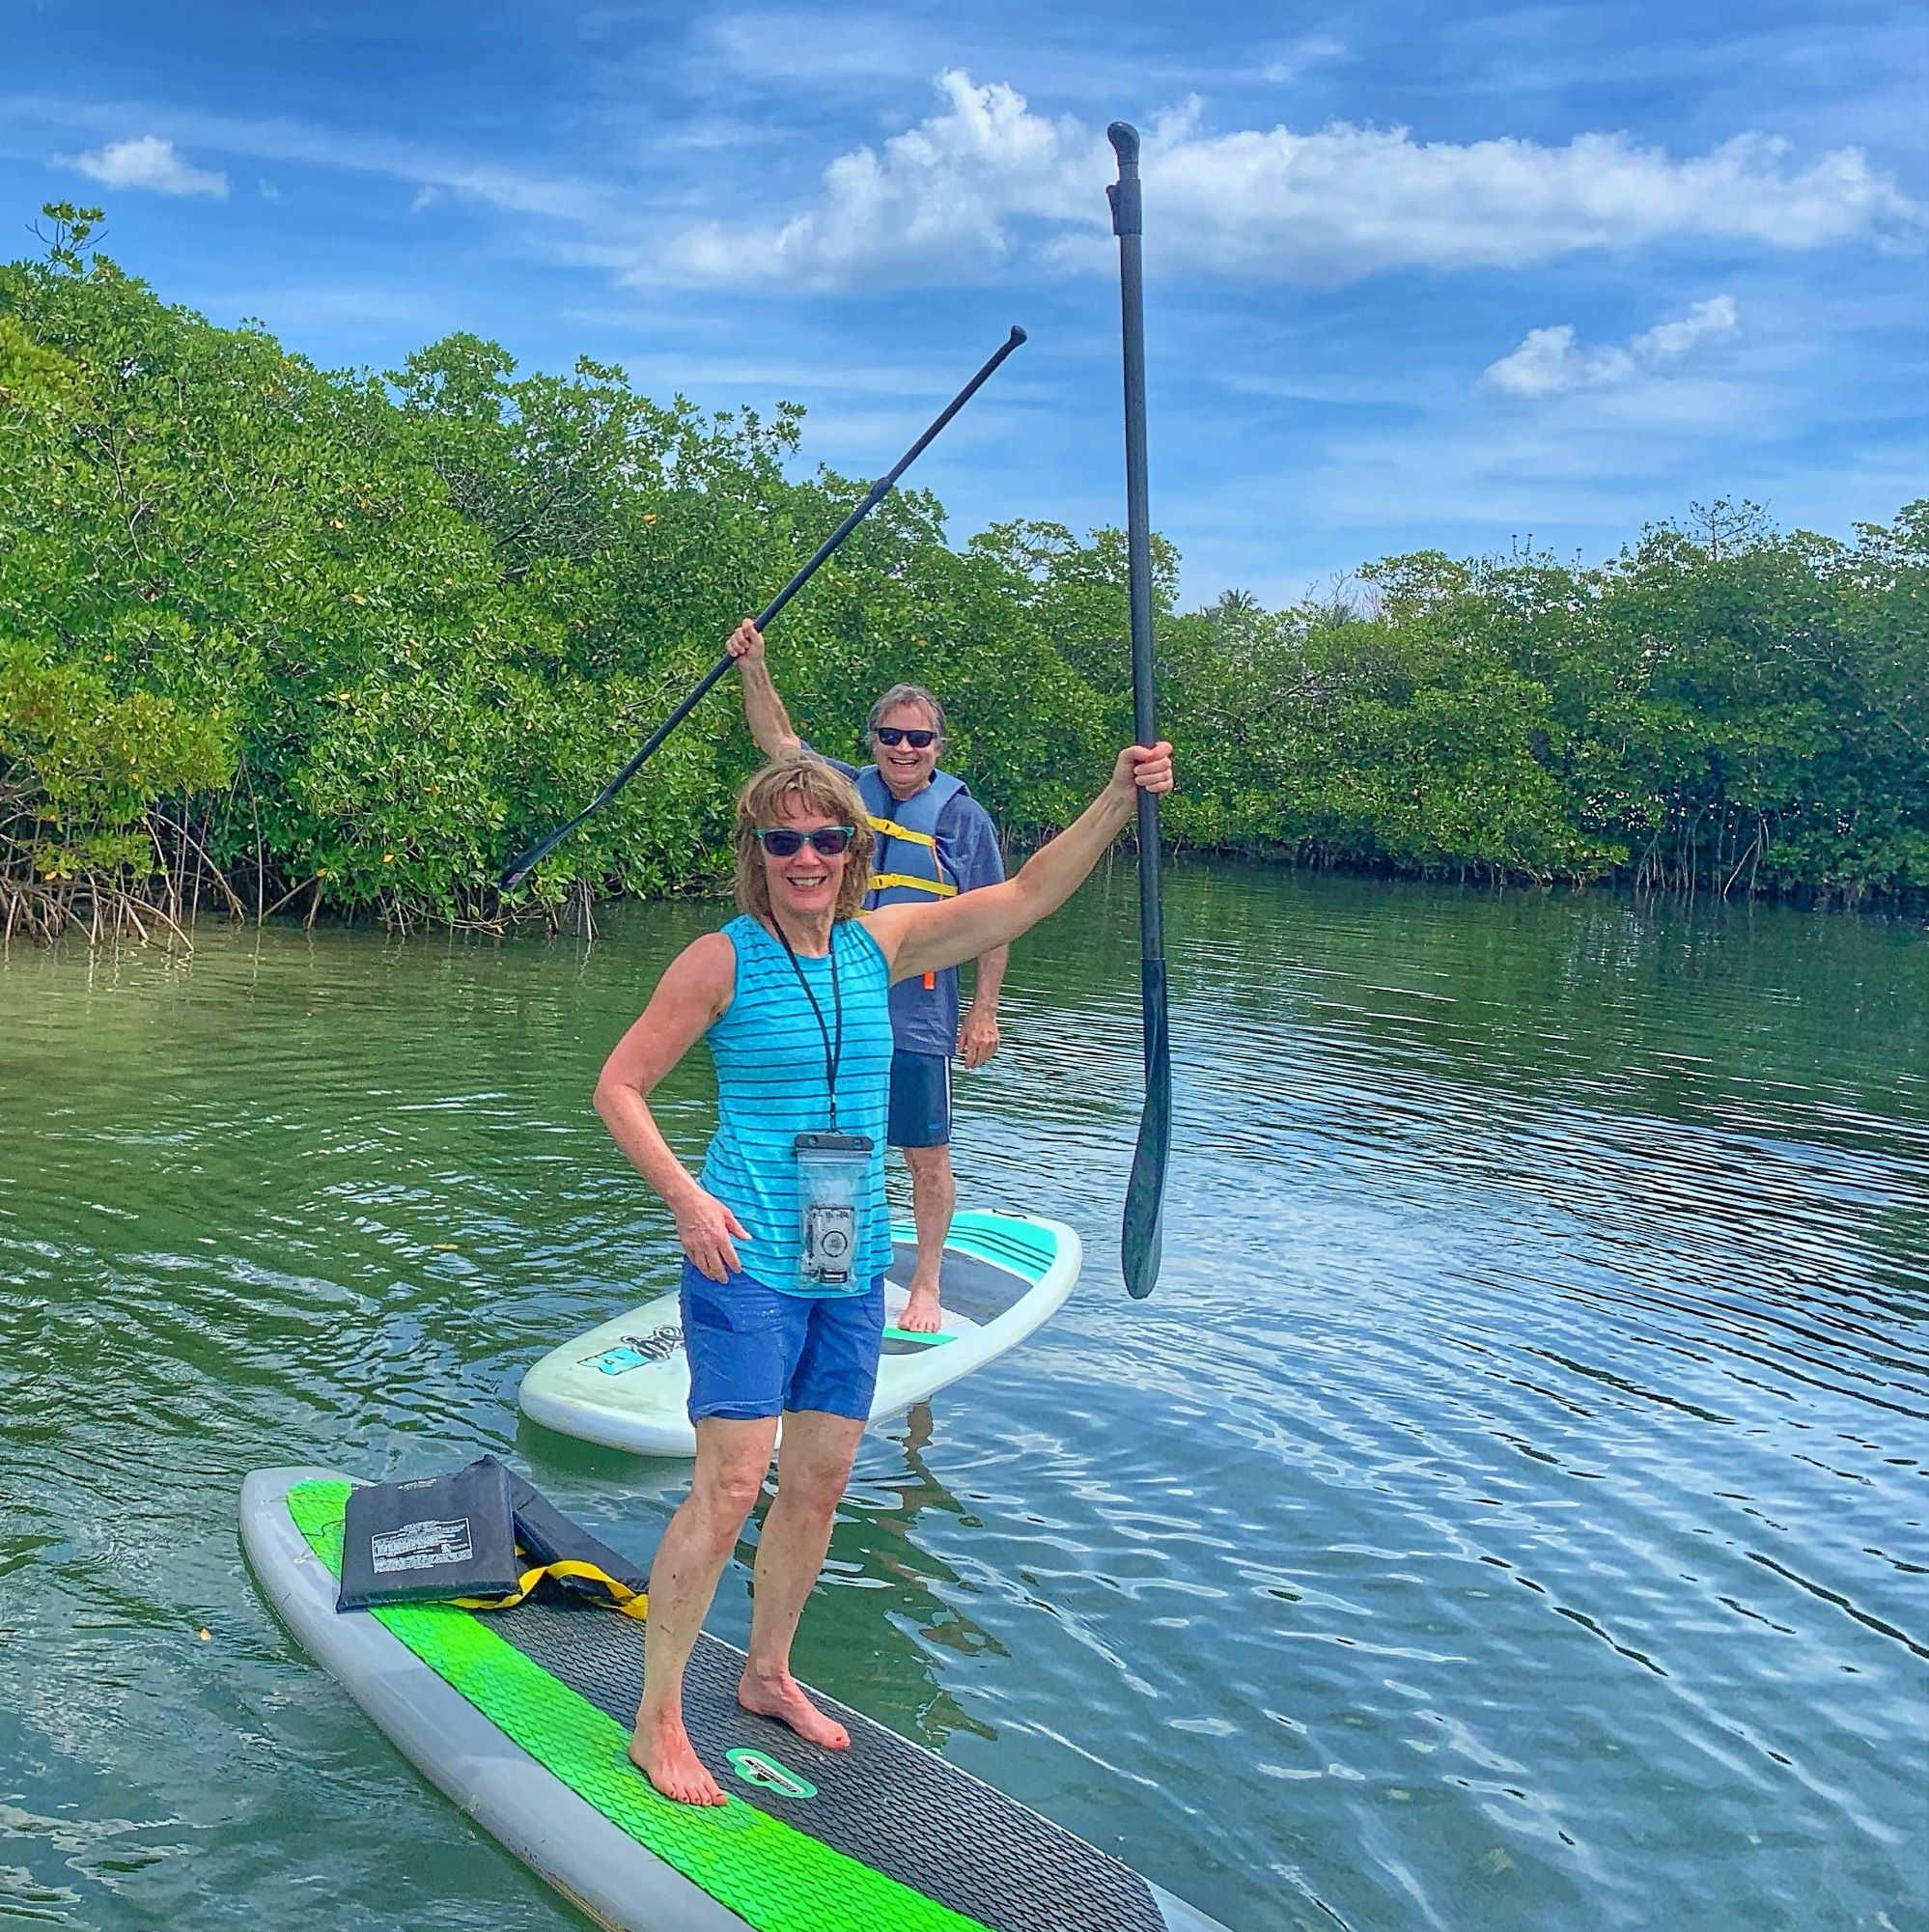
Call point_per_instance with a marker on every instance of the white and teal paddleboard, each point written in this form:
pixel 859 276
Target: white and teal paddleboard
pixel 627 1384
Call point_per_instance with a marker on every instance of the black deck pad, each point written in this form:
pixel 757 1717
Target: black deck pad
pixel 886 1802
pixel 981 1291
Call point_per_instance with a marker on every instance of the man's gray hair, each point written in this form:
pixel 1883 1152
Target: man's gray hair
pixel 907 694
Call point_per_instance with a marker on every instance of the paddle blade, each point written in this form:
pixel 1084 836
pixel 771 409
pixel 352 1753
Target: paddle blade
pixel 1145 1193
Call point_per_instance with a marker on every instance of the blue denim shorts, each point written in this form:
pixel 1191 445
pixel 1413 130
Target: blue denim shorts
pixel 754 1351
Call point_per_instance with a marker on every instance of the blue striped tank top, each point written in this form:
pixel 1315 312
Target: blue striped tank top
pixel 770 1089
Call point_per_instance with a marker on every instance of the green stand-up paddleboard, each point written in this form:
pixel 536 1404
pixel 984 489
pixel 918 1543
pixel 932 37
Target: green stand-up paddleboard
pixel 523 1717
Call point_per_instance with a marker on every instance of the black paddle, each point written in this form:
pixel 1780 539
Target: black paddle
pixel 515 874
pixel 1145 1192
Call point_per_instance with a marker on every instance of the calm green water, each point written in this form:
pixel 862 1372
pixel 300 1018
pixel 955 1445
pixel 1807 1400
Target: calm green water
pixel 1509 1513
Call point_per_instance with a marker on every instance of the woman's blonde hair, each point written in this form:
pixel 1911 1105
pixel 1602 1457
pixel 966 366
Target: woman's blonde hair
pixel 818 787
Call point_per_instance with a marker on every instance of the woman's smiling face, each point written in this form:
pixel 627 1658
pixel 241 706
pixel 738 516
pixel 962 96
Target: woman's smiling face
pixel 805 885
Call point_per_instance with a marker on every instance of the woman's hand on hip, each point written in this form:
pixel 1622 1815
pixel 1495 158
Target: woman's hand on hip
pixel 705 1226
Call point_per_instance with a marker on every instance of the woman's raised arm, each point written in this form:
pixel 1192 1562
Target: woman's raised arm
pixel 923 938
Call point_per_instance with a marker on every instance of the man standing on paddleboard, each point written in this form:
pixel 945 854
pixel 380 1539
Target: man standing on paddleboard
pixel 784 1234
pixel 934 841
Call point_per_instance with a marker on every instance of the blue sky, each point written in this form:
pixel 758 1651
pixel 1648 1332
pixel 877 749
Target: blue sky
pixel 1418 276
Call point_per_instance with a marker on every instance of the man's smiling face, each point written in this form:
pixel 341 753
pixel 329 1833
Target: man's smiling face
pixel 906 767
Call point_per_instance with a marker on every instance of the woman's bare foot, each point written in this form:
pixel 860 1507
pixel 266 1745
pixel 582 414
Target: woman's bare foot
pixel 782 1698
pixel 921 1315
pixel 661 1749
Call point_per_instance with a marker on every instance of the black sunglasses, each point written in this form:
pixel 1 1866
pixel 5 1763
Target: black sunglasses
pixel 891 733
pixel 784 842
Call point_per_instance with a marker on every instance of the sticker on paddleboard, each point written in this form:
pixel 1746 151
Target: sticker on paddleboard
pixel 761 1769
pixel 637 1352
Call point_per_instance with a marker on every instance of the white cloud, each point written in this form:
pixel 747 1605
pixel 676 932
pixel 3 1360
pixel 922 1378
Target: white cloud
pixel 984 180
pixel 563 199
pixel 147 163
pixel 1549 361
pixel 1667 341
pixel 938 201
pixel 1295 62
pixel 815 48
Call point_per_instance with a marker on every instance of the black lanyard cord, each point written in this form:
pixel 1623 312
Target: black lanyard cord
pixel 832 1055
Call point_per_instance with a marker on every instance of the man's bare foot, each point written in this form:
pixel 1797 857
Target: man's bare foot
pixel 783 1698
pixel 921 1315
pixel 661 1751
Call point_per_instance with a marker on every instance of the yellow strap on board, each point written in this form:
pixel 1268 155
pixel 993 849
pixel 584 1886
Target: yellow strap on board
pixel 632 1603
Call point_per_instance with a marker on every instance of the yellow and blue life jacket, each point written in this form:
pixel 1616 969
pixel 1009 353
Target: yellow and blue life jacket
pixel 904 864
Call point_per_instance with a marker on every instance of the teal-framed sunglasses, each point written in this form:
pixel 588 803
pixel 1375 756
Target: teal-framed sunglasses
pixel 786 841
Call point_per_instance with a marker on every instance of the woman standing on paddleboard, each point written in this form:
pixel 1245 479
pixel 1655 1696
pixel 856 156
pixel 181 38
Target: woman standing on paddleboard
pixel 784 1234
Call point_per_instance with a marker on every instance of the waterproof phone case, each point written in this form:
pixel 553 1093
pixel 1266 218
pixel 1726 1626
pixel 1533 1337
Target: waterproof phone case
pixel 831 1172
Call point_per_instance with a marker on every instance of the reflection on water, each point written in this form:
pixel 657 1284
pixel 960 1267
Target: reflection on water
pixel 1508 1512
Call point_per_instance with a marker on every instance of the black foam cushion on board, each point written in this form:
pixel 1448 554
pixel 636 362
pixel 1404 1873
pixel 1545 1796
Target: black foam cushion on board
pixel 429 1539
pixel 549 1536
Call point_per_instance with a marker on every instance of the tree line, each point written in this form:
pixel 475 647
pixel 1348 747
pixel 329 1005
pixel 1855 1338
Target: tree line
pixel 334 643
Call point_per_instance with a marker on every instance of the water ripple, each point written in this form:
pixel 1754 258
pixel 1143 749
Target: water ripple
pixel 1509 1511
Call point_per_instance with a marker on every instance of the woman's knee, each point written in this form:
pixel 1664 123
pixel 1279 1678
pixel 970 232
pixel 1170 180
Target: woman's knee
pixel 816 1485
pixel 815 1496
pixel 729 1493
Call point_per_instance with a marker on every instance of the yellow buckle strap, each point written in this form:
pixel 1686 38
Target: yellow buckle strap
pixel 892 829
pixel 937 887
pixel 631 1602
